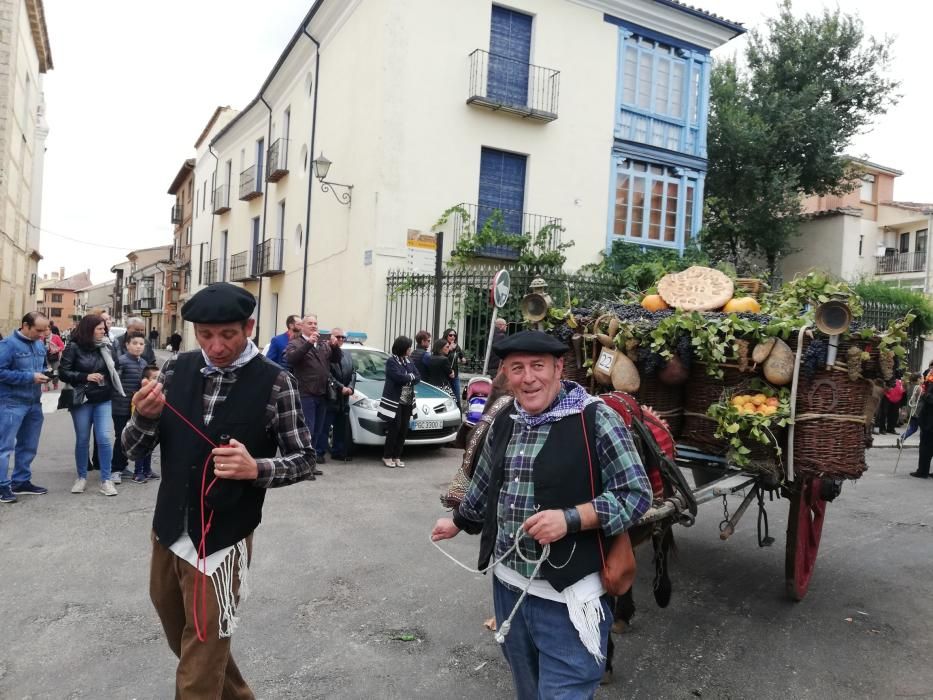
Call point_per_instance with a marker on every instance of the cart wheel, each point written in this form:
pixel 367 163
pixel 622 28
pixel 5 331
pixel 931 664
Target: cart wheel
pixel 804 529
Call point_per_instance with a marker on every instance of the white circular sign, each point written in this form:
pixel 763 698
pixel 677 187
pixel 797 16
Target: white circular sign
pixel 500 288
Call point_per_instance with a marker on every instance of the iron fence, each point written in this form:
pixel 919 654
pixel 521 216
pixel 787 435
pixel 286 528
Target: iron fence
pixel 503 83
pixel 465 305
pixel 220 199
pixel 467 219
pixel 902 262
pixel 879 315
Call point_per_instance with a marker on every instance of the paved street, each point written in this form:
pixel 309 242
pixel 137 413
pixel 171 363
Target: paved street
pixel 351 601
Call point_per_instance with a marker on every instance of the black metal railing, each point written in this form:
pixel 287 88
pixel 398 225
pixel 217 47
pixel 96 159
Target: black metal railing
pixel 468 219
pixel 144 303
pixel 902 262
pixel 177 214
pixel 501 83
pixel 210 272
pixel 464 303
pixel 220 199
pixel 181 255
pixel 277 160
pixel 269 257
pixel 879 315
pixel 239 267
pixel 250 185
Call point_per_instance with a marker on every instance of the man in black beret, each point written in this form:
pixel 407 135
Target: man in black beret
pixel 247 408
pixel 560 469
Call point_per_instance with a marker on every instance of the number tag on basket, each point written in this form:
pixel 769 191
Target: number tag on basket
pixel 606 357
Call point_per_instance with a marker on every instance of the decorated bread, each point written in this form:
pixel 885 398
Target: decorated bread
pixel 696 289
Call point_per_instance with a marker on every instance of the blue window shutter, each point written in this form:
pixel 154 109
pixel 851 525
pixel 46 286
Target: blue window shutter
pixel 509 54
pixel 502 187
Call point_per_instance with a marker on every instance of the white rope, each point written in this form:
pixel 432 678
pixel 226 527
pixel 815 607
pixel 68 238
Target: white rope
pixel 504 628
pixel 234 564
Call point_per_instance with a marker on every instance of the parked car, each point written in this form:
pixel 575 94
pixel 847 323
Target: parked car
pixel 434 421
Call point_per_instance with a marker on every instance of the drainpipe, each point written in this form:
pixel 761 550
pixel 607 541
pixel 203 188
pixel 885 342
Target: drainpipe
pixel 210 246
pixel 317 73
pixel 265 204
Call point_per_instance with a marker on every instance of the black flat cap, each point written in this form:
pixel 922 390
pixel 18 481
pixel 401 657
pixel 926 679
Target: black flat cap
pixel 220 302
pixel 530 341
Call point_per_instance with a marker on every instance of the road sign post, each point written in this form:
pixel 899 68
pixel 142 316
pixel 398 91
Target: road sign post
pixel 498 296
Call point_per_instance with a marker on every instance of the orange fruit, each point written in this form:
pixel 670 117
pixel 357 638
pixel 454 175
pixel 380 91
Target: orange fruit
pixel 742 305
pixel 773 401
pixel 654 302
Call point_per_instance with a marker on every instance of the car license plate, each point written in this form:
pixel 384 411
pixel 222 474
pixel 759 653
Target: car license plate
pixel 427 424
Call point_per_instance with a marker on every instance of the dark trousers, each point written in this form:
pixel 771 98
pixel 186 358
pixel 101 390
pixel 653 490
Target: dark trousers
pixel 205 669
pixel 396 433
pixel 142 466
pixel 315 410
pixel 889 414
pixel 926 451
pixel 339 421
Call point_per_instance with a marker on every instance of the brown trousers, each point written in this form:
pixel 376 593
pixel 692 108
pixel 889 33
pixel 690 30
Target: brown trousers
pixel 206 670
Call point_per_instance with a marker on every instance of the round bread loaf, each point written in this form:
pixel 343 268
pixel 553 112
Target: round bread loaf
pixel 696 289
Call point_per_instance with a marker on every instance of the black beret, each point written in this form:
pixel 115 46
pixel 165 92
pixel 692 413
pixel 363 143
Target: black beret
pixel 220 302
pixel 530 341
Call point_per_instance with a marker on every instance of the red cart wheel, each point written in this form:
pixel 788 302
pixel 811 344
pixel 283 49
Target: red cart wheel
pixel 804 529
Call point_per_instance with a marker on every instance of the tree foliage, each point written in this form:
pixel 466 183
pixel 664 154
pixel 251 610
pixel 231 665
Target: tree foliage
pixel 779 129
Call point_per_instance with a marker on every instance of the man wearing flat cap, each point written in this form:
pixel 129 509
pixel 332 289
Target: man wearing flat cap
pixel 213 484
pixel 559 469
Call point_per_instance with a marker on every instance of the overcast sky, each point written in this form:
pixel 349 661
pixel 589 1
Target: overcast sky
pixel 131 92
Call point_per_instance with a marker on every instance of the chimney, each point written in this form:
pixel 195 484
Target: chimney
pixel 61 273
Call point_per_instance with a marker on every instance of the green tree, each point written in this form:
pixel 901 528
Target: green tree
pixel 779 129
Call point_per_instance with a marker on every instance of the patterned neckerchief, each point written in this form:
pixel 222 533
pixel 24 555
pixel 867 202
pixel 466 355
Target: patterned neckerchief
pixel 572 398
pixel 249 352
pixel 219 380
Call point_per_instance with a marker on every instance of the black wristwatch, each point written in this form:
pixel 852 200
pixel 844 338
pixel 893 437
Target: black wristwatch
pixel 572 517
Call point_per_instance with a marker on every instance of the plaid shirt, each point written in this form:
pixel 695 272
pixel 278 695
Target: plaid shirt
pixel 625 498
pixel 284 420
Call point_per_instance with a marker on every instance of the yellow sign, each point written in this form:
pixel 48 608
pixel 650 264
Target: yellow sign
pixel 421 240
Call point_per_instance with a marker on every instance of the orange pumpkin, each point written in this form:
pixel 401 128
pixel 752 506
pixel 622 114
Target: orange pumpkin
pixel 740 305
pixel 654 302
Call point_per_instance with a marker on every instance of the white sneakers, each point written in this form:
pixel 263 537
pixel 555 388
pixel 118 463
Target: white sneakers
pixel 116 477
pixel 106 487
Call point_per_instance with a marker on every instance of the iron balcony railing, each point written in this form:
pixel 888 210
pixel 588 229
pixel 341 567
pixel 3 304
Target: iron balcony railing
pixel 277 160
pixel 209 272
pixel 177 214
pixel 221 199
pixel 250 185
pixel 181 255
pixel 143 303
pixel 471 218
pixel 240 268
pixel 501 83
pixel 902 262
pixel 269 258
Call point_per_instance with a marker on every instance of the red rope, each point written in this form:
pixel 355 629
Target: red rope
pixel 589 458
pixel 200 581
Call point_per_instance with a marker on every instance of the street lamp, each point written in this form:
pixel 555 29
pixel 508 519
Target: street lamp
pixel 321 167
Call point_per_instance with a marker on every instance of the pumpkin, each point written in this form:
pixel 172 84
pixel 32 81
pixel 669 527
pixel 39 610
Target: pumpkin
pixel 654 302
pixel 740 305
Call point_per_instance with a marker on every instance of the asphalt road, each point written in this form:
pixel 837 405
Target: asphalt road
pixel 350 600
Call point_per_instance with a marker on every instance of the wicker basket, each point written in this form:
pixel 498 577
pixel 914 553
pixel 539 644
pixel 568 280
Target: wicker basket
pixel 751 287
pixel 871 369
pixel 573 371
pixel 829 431
pixel 667 401
pixel 704 391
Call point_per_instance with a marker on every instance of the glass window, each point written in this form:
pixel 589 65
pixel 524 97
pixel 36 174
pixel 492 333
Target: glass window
pixel 920 244
pixel 868 188
pixel 904 243
pixel 647 203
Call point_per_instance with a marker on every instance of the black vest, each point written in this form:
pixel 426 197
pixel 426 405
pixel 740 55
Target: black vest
pixel 236 505
pixel 561 480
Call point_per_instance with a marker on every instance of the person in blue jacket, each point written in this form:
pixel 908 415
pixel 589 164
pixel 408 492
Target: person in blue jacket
pixel 22 375
pixel 276 351
pixel 398 400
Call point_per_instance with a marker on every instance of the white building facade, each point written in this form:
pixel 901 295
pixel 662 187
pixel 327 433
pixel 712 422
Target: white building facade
pixel 590 114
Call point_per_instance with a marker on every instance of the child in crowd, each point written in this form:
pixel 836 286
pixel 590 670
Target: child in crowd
pixel 132 368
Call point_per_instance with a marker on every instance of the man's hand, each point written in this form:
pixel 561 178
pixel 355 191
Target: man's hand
pixel 234 462
pixel 347 391
pixel 547 526
pixel 314 337
pixel 40 378
pixel 444 529
pixel 149 399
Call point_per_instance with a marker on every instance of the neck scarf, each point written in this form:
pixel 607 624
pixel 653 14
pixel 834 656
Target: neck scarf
pixel 572 398
pixel 249 352
pixel 104 349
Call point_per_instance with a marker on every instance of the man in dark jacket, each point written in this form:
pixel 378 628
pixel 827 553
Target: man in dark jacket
pixel 343 382
pixel 498 335
pixel 134 325
pixel 310 361
pixel 226 388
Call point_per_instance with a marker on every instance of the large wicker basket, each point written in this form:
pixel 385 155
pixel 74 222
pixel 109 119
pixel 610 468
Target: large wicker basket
pixel 667 401
pixel 572 370
pixel 829 430
pixel 702 392
pixel 751 287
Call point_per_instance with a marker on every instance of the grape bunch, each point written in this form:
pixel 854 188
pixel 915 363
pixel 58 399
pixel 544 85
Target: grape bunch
pixel 563 333
pixel 649 362
pixel 684 349
pixel 813 358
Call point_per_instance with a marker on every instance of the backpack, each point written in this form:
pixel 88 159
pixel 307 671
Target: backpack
pixel 655 445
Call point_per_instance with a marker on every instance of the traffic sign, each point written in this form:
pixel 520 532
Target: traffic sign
pixel 499 293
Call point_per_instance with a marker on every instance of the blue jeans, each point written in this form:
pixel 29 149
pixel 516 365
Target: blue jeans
pixel 20 426
pixel 83 417
pixel 455 383
pixel 119 462
pixel 315 410
pixel 543 648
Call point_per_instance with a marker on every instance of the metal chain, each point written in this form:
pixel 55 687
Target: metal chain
pixel 725 513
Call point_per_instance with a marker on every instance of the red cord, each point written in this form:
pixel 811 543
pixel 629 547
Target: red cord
pixel 589 458
pixel 200 580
